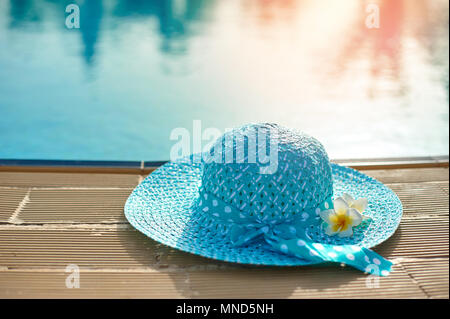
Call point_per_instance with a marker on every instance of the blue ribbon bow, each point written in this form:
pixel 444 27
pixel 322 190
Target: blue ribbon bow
pixel 289 236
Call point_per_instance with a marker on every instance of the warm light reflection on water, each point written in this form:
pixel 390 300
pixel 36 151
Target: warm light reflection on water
pixel 115 88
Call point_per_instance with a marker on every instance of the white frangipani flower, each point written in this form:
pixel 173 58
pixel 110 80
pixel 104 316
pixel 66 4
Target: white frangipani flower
pixel 360 204
pixel 347 213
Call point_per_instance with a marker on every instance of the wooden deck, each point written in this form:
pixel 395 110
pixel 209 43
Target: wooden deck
pixel 50 219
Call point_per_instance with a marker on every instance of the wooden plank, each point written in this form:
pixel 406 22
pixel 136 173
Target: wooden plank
pixel 46 247
pixel 423 199
pixel 21 179
pixel 75 206
pixel 290 282
pixel 24 179
pixel 385 160
pixel 301 282
pixel 112 168
pixel 111 284
pixel 121 246
pixel 394 163
pixel 35 179
pixel 106 205
pixel 9 202
pixel 432 275
pixel 418 237
pixel 294 282
pixel 404 175
pixel 75 170
pixel 409 175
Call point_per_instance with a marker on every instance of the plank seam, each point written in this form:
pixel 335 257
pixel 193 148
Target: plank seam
pixel 65 226
pixel 415 281
pixel 52 188
pixel 177 268
pixel 410 216
pixel 435 182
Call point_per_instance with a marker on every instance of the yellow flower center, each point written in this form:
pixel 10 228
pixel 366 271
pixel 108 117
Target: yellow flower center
pixel 340 221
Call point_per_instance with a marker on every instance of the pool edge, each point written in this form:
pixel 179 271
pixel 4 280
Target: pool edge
pixel 145 167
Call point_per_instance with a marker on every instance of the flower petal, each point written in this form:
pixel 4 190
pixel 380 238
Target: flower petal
pixel 325 215
pixel 346 233
pixel 360 204
pixel 348 198
pixel 340 205
pixel 355 216
pixel 329 230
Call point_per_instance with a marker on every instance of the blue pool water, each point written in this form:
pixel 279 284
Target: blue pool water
pixel 115 88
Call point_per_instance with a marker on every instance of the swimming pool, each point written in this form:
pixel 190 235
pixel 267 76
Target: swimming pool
pixel 116 88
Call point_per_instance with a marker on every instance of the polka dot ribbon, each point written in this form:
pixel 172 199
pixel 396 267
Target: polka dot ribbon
pixel 289 236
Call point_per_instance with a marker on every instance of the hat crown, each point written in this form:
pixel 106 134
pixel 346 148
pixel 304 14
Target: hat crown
pixel 294 177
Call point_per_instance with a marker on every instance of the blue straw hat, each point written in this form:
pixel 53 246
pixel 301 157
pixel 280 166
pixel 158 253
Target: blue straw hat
pixel 267 195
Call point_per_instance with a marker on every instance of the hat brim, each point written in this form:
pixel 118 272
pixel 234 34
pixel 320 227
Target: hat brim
pixel 163 207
